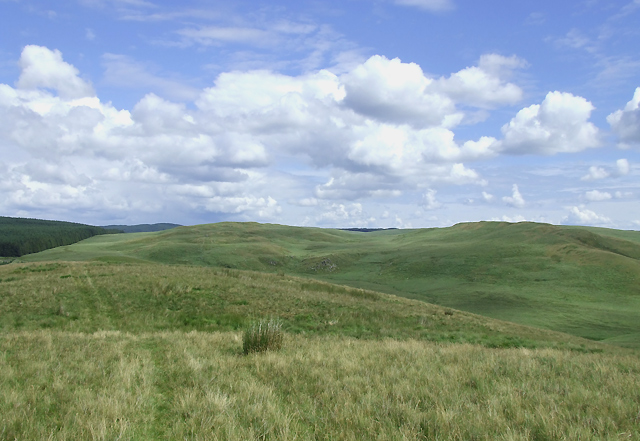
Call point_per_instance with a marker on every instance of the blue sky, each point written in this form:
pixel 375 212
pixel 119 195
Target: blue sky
pixel 389 113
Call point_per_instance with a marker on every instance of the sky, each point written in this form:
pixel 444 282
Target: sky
pixel 351 113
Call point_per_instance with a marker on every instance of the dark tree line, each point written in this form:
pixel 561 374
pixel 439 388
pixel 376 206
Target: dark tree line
pixel 20 236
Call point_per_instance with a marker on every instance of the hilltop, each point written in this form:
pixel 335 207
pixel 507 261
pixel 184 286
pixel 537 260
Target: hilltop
pixel 141 228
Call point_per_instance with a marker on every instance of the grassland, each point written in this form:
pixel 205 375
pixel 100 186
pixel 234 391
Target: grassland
pixel 196 386
pixel 90 297
pixel 143 351
pixel 582 281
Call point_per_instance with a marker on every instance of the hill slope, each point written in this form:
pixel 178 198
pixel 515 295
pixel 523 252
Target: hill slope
pixel 577 280
pixel 93 296
pixel 94 350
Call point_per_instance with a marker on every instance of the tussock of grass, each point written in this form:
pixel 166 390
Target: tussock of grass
pixel 261 336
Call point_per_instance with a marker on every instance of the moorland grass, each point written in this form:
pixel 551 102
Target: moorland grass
pixel 98 296
pixel 199 386
pixel 576 280
pixel 130 351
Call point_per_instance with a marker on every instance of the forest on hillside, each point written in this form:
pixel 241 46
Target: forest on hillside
pixel 20 236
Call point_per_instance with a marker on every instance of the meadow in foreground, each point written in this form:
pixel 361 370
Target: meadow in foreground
pixel 105 351
pixel 199 386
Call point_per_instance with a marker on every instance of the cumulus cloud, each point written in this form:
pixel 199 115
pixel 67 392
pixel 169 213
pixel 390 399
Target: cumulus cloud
pixel 623 167
pixel 395 92
pixel 595 173
pixel 44 68
pixel 596 196
pixel 583 216
pixel 487 197
pixel 350 214
pixel 429 200
pixel 625 123
pixel 484 85
pixel 516 199
pixel 558 125
pixel 383 129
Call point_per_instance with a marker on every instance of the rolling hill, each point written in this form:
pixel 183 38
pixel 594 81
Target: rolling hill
pixel 139 336
pixel 581 281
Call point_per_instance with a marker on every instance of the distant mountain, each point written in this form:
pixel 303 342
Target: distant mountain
pixel 141 228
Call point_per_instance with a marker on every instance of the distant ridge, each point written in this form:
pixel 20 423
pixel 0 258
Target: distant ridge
pixel 141 228
pixel 366 230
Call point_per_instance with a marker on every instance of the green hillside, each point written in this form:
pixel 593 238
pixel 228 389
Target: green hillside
pixel 582 281
pixel 93 296
pixel 143 351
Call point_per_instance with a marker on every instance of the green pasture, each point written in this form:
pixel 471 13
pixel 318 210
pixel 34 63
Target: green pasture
pixel 582 281
pixel 140 336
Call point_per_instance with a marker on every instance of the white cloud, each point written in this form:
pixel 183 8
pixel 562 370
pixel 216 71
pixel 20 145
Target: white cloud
pixel 583 216
pixel 511 219
pixel 429 200
pixel 625 123
pixel 428 5
pixel 396 92
pixel 596 196
pixel 256 144
pixel 623 167
pixel 623 194
pixel 558 125
pixel 347 214
pixel 44 68
pixel 595 173
pixel 516 199
pixel 483 85
pixel 487 196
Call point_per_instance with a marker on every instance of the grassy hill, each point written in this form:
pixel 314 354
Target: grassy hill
pixel 582 281
pixel 93 296
pixel 144 351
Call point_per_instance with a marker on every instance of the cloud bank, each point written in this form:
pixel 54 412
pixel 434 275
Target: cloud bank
pixel 258 144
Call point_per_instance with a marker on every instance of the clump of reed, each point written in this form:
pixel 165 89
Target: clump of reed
pixel 263 335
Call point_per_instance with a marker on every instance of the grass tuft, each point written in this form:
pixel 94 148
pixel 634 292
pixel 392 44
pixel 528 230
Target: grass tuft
pixel 262 336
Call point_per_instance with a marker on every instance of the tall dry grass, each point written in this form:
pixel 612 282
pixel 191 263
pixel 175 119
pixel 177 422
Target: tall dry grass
pixel 199 386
